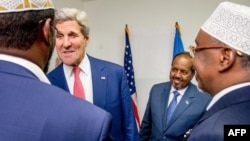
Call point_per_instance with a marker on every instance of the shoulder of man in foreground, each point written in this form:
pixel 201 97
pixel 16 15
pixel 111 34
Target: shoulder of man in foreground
pixel 83 119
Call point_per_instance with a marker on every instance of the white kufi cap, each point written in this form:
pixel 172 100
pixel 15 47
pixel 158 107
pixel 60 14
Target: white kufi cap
pixel 7 6
pixel 230 23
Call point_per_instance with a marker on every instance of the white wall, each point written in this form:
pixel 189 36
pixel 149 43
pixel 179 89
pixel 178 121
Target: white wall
pixel 151 24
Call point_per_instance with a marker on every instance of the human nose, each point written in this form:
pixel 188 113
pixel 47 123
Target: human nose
pixel 66 42
pixel 177 74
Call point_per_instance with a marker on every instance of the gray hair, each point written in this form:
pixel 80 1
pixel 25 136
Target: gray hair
pixel 67 14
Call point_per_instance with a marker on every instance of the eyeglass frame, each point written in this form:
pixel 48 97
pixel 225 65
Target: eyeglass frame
pixel 193 49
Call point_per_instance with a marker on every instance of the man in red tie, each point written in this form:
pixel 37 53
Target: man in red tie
pixel 31 108
pixel 105 83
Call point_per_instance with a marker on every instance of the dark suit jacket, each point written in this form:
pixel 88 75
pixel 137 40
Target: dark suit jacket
pixel 187 113
pixel 231 109
pixel 110 92
pixel 32 110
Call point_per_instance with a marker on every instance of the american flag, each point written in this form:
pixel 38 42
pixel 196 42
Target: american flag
pixel 129 70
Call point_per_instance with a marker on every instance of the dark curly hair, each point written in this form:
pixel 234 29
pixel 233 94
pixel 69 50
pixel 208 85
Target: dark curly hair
pixel 19 29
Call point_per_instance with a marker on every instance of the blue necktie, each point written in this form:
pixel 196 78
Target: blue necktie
pixel 172 106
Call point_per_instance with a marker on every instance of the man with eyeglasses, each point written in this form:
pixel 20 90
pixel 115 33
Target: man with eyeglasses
pixel 222 61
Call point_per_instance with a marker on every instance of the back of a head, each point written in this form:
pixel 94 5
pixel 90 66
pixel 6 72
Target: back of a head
pixel 20 21
pixel 67 14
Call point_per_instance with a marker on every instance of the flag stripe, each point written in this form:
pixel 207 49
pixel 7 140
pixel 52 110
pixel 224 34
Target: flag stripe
pixel 129 70
pixel 135 110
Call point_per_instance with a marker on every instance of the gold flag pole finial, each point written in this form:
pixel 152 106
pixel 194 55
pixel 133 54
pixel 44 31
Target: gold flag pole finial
pixel 178 27
pixel 126 30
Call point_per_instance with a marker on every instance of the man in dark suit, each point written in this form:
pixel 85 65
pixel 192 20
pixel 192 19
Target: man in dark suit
pixel 191 103
pixel 104 83
pixel 222 61
pixel 31 108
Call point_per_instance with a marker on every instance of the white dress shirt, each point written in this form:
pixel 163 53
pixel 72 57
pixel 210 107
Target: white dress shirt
pixel 171 95
pixel 85 76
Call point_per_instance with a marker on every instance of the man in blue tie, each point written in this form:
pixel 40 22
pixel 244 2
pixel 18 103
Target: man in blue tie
pixel 174 107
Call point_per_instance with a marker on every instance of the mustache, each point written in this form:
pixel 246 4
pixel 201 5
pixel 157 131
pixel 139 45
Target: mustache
pixel 177 78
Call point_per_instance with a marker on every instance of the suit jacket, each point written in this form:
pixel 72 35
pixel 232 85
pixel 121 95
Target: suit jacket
pixel 186 114
pixel 32 110
pixel 110 92
pixel 232 109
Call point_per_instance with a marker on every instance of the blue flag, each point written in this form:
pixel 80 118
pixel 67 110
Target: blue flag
pixel 178 45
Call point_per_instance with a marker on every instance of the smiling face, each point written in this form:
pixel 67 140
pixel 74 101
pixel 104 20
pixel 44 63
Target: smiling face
pixel 207 62
pixel 181 73
pixel 70 42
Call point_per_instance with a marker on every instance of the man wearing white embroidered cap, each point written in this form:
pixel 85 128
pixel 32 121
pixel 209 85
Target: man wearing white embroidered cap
pixel 31 109
pixel 222 61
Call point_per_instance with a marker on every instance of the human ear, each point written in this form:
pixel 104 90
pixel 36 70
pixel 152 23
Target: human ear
pixel 87 40
pixel 46 32
pixel 227 59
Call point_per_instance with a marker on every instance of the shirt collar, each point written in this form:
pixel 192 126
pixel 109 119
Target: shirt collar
pixel 84 66
pixel 181 91
pixel 28 65
pixel 225 92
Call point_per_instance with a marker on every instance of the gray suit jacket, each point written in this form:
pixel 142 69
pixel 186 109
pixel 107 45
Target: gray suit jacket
pixel 186 114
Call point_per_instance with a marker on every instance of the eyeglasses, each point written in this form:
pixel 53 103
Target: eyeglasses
pixel 194 49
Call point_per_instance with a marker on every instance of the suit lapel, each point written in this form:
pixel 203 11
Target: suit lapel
pixel 59 78
pixel 164 100
pixel 99 81
pixel 185 102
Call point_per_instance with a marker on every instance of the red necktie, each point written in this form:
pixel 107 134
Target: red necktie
pixel 78 87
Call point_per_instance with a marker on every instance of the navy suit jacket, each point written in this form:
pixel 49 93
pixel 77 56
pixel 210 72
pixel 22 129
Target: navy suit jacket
pixel 110 92
pixel 186 114
pixel 232 109
pixel 32 110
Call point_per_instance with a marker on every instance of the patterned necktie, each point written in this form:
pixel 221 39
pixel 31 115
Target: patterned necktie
pixel 78 87
pixel 172 106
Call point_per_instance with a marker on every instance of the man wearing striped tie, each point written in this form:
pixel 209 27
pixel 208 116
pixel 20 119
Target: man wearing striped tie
pixel 173 107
